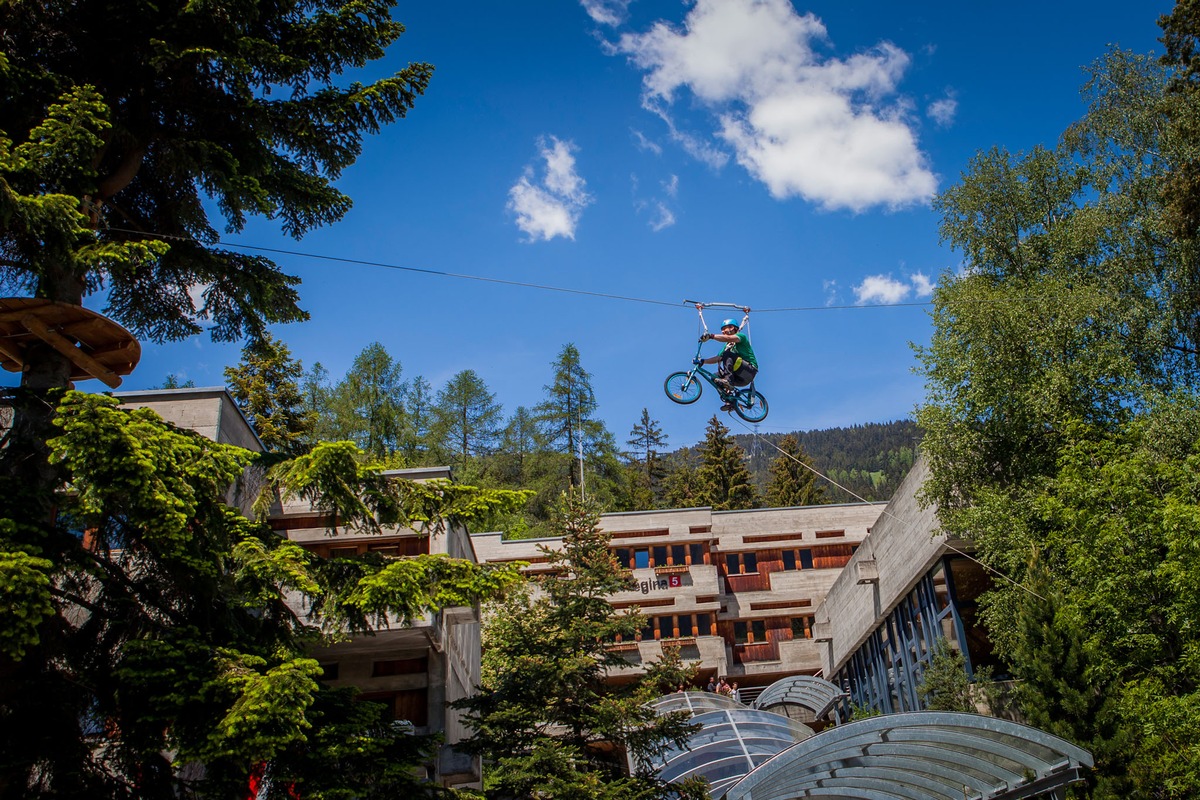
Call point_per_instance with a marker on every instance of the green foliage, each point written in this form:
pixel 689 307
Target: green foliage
pixel 367 406
pixel 648 440
pixel 466 417
pixel 945 685
pixel 545 717
pixel 724 481
pixel 24 600
pixel 1062 425
pixel 168 631
pixel 265 386
pixel 793 478
pixel 232 102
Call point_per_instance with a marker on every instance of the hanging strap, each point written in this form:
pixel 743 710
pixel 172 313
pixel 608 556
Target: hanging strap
pixel 704 326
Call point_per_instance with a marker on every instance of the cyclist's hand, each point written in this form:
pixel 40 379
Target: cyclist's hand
pixel 706 337
pixel 697 361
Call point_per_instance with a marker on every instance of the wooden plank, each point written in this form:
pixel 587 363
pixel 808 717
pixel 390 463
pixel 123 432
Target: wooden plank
pixel 77 357
pixel 13 354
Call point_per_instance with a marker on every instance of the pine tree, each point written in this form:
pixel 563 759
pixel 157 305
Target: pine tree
pixel 546 719
pixel 265 386
pixel 793 480
pixel 161 659
pixel 725 482
pixel 565 418
pixel 467 417
pixel 418 445
pixel 647 440
pixel 368 404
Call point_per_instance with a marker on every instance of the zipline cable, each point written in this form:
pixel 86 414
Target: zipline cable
pixel 464 276
pixel 947 545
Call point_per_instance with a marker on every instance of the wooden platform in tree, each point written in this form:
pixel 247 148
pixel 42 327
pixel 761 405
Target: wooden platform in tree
pixel 96 346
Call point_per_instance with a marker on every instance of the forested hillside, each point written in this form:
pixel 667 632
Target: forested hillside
pixel 406 422
pixel 869 460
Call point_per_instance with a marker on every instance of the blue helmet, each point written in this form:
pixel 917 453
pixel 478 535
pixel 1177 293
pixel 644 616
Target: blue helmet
pixel 732 322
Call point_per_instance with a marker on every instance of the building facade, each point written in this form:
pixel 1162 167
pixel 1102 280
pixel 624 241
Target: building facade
pixel 736 591
pixel 414 670
pixel 908 586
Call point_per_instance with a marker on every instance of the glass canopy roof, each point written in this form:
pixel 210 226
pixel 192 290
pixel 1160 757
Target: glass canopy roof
pixel 750 754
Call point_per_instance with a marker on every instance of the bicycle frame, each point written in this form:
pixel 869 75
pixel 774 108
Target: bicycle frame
pixel 711 378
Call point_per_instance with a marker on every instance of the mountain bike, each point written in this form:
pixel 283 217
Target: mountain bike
pixel 685 387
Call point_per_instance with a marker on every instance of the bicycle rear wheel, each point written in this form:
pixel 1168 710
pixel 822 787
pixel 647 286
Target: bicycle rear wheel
pixel 682 387
pixel 751 406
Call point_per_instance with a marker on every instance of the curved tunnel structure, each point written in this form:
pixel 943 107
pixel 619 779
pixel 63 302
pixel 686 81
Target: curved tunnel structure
pixel 753 754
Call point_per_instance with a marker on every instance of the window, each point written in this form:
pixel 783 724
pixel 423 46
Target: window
pixel 660 556
pixel 739 632
pixel 806 559
pixel 739 563
pixel 696 553
pixel 703 625
pixel 678 554
pixel 758 630
pixel 685 625
pixel 802 627
pixel 641 558
pixel 789 559
pixel 624 556
pixel 342 552
pixel 329 672
pixel 665 630
pixel 647 633
pixel 385 549
pixel 400 666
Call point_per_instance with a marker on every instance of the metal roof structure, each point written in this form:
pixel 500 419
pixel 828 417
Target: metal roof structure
pixel 818 696
pixel 753 754
pixel 731 743
pixel 921 755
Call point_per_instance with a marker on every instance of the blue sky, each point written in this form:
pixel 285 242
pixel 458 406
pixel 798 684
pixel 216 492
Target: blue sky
pixel 771 154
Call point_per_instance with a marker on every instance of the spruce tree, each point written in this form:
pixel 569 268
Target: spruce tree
pixel 367 405
pixel 467 417
pixel 265 386
pixel 725 482
pixel 565 418
pixel 793 481
pixel 647 440
pixel 161 656
pixel 546 718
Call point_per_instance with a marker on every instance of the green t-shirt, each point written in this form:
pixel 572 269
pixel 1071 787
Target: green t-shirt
pixel 742 348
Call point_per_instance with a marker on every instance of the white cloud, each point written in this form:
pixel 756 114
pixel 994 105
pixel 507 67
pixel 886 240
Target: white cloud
pixel 922 285
pixel 663 218
pixel 661 215
pixel 551 208
pixel 832 131
pixel 646 144
pixel 943 111
pixel 883 289
pixel 886 290
pixel 606 12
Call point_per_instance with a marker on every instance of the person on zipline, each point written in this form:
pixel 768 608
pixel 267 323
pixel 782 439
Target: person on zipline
pixel 738 366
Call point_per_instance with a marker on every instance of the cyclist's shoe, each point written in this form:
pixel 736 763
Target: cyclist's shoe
pixel 723 384
pixel 727 407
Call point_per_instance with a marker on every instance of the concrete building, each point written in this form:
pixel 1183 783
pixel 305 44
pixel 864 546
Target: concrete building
pixel 907 586
pixel 414 669
pixel 735 590
pixel 858 594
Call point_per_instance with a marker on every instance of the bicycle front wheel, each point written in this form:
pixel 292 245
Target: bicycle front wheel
pixel 682 387
pixel 751 406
